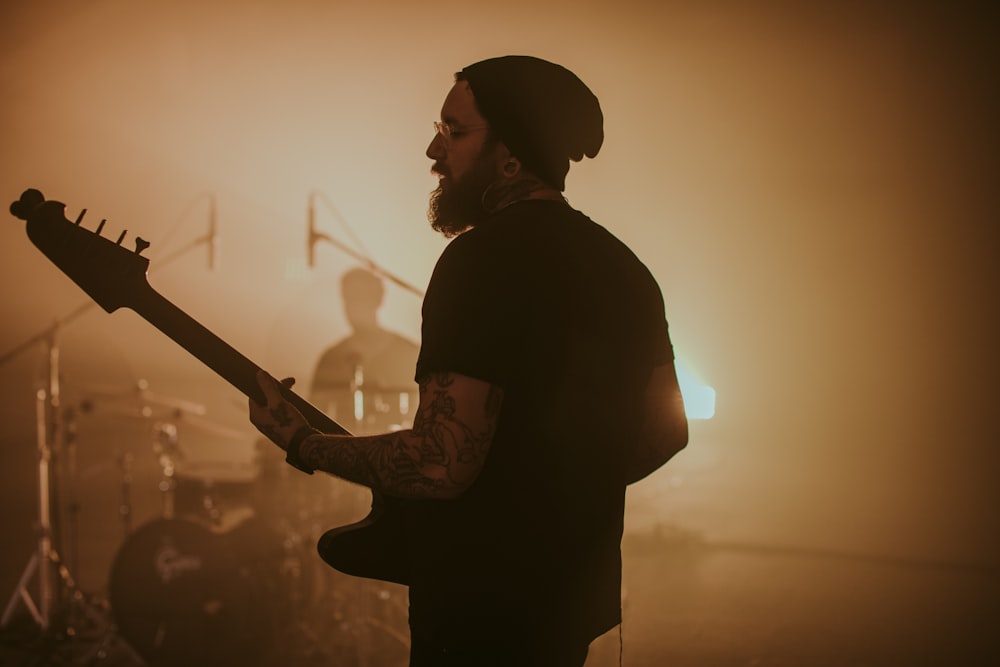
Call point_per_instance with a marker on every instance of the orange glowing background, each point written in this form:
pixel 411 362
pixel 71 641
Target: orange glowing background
pixel 813 186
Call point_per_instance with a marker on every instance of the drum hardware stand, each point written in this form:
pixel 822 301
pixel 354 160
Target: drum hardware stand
pixel 67 430
pixel 46 562
pixel 46 556
pixel 57 590
pixel 358 397
pixel 167 452
pixel 125 509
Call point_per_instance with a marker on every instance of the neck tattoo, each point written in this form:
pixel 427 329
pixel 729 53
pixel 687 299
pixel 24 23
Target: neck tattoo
pixel 499 196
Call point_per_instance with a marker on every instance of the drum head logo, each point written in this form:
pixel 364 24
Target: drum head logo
pixel 170 563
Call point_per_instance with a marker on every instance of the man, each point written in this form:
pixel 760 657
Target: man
pixel 372 363
pixel 546 386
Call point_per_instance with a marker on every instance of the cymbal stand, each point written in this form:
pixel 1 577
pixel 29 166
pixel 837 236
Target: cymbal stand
pixel 167 454
pixel 125 509
pixel 68 475
pixel 46 561
pixel 358 397
pixel 369 263
pixel 55 582
pixel 47 432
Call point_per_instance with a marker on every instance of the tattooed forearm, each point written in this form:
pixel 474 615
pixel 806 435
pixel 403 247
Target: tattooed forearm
pixel 339 455
pixel 438 458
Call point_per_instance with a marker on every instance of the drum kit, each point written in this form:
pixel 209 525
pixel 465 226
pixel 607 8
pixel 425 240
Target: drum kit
pixel 224 571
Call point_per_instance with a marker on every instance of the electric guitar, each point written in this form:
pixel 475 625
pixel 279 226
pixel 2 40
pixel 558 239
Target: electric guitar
pixel 115 277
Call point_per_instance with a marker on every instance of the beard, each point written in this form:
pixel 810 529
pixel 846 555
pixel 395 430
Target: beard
pixel 456 206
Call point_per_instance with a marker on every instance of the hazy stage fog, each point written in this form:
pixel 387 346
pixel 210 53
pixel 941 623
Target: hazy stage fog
pixel 812 186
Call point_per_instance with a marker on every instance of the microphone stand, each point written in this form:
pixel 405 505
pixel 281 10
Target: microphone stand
pixel 368 262
pixel 46 561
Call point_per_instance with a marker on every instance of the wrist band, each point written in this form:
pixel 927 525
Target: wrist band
pixel 292 451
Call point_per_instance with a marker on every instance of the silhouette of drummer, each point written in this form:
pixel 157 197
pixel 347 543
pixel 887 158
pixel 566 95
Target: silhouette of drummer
pixel 365 381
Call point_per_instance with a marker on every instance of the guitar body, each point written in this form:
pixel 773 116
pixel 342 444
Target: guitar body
pixel 115 277
pixel 372 547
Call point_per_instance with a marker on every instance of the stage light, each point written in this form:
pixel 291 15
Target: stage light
pixel 699 399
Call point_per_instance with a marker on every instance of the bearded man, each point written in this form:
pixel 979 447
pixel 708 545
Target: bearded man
pixel 547 385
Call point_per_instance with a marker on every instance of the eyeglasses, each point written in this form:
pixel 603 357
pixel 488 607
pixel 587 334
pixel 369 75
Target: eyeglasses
pixel 449 131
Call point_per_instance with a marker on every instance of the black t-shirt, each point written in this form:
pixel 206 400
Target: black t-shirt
pixel 546 304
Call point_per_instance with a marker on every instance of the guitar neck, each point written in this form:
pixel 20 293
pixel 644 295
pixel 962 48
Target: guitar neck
pixel 219 355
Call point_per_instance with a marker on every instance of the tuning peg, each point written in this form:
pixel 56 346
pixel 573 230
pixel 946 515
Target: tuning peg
pixel 121 237
pixel 140 245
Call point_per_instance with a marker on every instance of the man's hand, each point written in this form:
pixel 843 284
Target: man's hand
pixel 278 419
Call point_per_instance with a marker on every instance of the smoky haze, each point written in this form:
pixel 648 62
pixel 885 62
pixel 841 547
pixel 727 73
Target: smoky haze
pixel 813 187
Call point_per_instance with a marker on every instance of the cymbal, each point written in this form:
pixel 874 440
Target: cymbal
pixel 369 388
pixel 141 395
pixel 213 428
pixel 177 418
pixel 218 471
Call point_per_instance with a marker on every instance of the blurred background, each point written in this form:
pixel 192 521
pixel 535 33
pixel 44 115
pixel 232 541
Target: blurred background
pixel 813 184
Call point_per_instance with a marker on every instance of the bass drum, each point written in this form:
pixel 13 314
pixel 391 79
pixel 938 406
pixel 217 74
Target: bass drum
pixel 183 595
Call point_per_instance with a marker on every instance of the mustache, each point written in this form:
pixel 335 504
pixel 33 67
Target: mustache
pixel 439 170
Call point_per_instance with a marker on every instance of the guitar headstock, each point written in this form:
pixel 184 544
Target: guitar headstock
pixel 111 274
